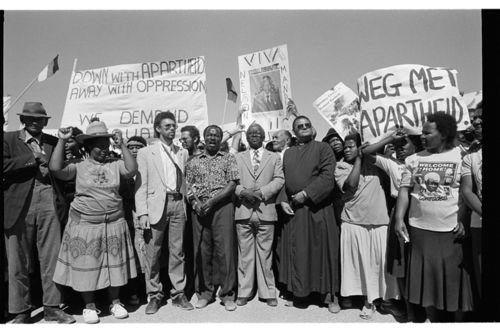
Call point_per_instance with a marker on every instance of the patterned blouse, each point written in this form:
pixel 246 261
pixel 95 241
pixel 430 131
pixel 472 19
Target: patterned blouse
pixel 206 175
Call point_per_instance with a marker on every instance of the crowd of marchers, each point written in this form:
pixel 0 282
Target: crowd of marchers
pixel 389 227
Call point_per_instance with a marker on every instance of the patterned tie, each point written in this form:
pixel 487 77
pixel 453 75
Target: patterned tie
pixel 256 161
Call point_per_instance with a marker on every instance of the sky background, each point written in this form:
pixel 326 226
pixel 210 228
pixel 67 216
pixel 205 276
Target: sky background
pixel 325 47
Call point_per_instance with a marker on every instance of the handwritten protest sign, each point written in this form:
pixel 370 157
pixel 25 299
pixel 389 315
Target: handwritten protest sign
pixel 128 97
pixel 265 88
pixel 339 107
pixel 403 95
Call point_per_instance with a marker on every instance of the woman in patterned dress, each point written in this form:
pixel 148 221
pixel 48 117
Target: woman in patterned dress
pixel 96 250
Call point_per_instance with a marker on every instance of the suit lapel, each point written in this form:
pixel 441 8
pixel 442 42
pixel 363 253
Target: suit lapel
pixel 248 162
pixel 265 158
pixel 156 157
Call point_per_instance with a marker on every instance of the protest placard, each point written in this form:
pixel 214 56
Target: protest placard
pixel 403 95
pixel 472 99
pixel 128 97
pixel 265 88
pixel 339 107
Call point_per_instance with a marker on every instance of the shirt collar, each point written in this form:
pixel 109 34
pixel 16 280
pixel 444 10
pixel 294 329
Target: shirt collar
pixel 260 151
pixel 219 153
pixel 28 137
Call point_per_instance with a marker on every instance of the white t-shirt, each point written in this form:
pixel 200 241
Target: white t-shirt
pixel 393 169
pixel 434 180
pixel 472 165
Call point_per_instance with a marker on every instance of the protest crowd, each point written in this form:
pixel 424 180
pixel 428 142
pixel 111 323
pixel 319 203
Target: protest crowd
pixel 383 213
pixel 336 222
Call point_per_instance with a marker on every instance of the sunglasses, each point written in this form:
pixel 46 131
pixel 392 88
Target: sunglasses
pixel 303 126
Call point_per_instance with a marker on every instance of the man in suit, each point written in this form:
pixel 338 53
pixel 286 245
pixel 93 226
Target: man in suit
pixel 268 98
pixel 261 178
pixel 159 201
pixel 30 214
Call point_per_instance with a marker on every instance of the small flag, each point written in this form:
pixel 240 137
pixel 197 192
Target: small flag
pixel 231 93
pixel 6 105
pixel 49 70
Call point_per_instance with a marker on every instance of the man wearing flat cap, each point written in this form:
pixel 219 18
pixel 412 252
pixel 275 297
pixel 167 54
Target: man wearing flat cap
pixel 30 214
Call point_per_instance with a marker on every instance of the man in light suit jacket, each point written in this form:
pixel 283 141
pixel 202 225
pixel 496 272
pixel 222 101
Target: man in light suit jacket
pixel 159 200
pixel 261 178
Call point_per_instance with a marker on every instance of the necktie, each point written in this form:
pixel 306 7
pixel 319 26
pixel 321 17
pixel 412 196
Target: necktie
pixel 256 161
pixel 34 145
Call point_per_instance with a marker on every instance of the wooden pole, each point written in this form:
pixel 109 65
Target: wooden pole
pixel 22 93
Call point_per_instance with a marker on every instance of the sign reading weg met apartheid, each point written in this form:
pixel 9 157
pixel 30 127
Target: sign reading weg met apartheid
pixel 403 95
pixel 128 97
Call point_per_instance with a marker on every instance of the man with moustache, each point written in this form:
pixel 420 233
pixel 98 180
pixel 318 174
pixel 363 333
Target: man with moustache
pixel 159 202
pixel 30 214
pixel 309 243
pixel 212 177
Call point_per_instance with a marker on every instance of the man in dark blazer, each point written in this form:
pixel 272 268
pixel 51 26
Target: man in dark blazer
pixel 30 214
pixel 261 178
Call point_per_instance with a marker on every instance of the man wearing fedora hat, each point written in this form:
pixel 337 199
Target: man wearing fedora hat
pixel 30 214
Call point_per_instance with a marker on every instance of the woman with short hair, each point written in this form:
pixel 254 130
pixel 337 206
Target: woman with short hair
pixel 437 277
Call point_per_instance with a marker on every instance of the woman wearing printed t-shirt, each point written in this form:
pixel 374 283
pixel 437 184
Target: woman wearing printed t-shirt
pixel 437 277
pixel 96 249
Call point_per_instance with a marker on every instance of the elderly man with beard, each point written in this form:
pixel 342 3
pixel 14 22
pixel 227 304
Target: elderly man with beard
pixel 309 243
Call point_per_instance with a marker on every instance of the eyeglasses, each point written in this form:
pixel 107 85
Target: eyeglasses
pixel 303 126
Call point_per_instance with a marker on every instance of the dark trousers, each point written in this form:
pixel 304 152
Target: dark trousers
pixel 42 227
pixel 215 253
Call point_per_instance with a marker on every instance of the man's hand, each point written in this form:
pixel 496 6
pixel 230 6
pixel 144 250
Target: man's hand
pixel 41 158
pixel 207 207
pixel 144 222
pixel 197 208
pixel 286 208
pixel 65 133
pixel 299 198
pixel 291 108
pixel 249 196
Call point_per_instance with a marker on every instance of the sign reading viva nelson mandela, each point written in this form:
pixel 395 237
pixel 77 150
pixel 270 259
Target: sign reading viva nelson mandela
pixel 403 95
pixel 265 88
pixel 128 97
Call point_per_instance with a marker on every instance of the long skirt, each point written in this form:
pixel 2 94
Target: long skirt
pixel 363 262
pixel 96 252
pixel 438 274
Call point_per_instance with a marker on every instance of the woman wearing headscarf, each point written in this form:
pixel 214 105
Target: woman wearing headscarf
pixel 437 278
pixel 96 249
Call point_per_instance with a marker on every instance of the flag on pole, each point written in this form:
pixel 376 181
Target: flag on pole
pixel 6 106
pixel 231 93
pixel 49 70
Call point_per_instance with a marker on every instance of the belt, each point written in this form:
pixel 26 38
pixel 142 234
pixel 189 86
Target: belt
pixel 174 195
